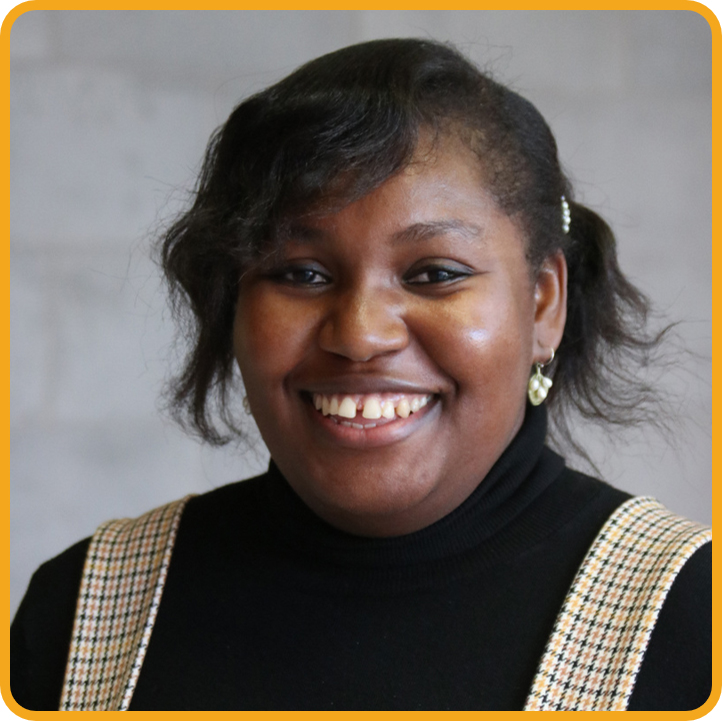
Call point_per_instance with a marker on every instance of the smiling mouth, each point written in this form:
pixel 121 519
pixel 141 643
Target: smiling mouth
pixel 369 410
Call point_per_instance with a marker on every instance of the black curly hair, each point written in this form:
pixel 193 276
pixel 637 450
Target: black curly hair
pixel 337 128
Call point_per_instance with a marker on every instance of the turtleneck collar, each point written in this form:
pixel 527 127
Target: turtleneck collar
pixel 521 473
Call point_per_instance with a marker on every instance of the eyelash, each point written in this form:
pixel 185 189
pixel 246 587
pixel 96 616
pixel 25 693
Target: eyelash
pixel 287 276
pixel 453 274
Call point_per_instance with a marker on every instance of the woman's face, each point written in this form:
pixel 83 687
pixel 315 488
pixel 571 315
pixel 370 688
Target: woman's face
pixel 412 319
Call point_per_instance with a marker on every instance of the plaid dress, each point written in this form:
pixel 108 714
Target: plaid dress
pixel 590 662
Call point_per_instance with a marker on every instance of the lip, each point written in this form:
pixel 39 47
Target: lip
pixel 383 434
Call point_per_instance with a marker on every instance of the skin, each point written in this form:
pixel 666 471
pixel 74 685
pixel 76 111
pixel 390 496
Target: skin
pixel 422 285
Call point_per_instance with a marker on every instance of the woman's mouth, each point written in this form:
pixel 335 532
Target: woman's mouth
pixel 366 411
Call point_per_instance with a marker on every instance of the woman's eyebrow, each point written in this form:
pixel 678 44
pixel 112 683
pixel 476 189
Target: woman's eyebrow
pixel 431 229
pixel 303 233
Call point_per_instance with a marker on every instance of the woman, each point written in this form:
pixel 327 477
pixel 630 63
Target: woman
pixel 385 246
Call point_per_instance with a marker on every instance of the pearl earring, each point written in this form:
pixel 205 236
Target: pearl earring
pixel 246 405
pixel 539 384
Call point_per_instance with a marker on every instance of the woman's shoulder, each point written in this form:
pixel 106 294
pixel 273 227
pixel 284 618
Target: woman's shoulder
pixel 676 673
pixel 41 631
pixel 650 549
pixel 43 625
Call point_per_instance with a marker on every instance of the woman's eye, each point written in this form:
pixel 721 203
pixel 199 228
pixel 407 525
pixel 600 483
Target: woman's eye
pixel 436 274
pixel 303 276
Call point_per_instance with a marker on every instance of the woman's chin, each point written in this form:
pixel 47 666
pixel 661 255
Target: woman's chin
pixel 371 500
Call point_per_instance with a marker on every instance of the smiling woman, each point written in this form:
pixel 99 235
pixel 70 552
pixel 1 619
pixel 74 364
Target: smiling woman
pixel 415 300
pixel 384 251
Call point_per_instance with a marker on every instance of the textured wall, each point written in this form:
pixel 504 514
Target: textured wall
pixel 110 112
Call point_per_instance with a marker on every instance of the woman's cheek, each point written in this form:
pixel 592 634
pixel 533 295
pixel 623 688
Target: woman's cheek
pixel 455 327
pixel 469 338
pixel 270 329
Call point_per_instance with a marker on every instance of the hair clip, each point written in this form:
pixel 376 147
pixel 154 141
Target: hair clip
pixel 566 215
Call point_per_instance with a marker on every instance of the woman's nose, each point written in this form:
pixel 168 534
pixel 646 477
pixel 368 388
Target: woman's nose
pixel 363 324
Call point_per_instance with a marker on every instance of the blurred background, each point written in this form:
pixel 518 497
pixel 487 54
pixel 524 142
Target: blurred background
pixel 110 114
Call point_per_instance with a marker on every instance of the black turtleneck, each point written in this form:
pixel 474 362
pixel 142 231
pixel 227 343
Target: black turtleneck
pixel 268 607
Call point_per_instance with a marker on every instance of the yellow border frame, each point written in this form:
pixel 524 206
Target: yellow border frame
pixel 689 5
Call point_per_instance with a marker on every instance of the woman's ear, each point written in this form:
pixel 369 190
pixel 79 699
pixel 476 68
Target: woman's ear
pixel 550 298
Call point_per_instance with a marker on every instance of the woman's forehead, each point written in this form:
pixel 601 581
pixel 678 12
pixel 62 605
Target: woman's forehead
pixel 433 145
pixel 438 163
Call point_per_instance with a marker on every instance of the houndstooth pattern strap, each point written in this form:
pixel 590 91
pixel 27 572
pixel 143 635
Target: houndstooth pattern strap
pixel 123 578
pixel 593 656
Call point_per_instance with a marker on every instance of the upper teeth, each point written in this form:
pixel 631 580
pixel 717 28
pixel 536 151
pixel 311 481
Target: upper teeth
pixel 387 405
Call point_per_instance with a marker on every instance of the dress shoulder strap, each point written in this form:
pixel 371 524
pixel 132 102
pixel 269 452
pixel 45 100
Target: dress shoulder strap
pixel 123 578
pixel 598 642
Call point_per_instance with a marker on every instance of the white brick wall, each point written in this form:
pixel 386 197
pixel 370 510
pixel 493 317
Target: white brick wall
pixel 110 112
